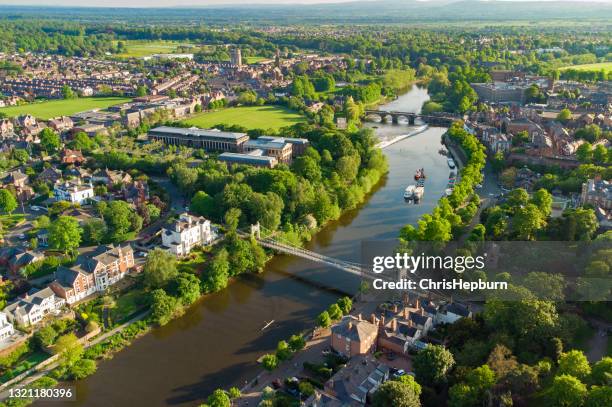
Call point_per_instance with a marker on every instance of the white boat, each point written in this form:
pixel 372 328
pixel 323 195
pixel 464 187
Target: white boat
pixel 419 192
pixel 451 162
pixel 448 191
pixel 409 192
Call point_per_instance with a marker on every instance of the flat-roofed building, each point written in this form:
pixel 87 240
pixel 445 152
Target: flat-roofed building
pixel 271 147
pixel 208 139
pixel 298 145
pixel 255 158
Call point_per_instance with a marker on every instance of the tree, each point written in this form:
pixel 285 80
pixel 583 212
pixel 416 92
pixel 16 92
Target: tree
pixel 283 352
pixel 543 200
pixel 432 364
pixel 567 391
pixel 232 219
pixel 219 398
pixel 564 115
pixel 345 304
pixel 527 220
pixel 602 372
pixel 324 320
pixel 50 140
pixel 45 336
pixel 65 234
pixel 501 361
pixel 397 394
pixel 584 153
pixel 296 343
pixel 163 306
pixel 599 396
pixel 269 362
pixel 82 368
pixel 68 93
pixel 188 288
pixel 601 154
pixel 141 90
pixel 334 312
pixel 83 142
pixel 574 363
pixel 69 350
pixel 234 392
pixel 120 220
pixel 462 395
pixel 8 202
pixel 159 268
pixel 217 276
pixel 94 231
pixel 203 204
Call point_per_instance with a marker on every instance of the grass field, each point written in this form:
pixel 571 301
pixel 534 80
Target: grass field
pixel 607 66
pixel 139 49
pixel 251 117
pixel 62 107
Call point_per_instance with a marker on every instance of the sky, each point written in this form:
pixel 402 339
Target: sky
pixel 186 3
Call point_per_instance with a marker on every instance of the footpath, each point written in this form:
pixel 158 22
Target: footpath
pixel 47 365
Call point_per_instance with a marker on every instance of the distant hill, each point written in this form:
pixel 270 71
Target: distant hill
pixel 365 12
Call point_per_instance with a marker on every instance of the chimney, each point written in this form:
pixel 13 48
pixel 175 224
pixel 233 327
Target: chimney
pixel 395 309
pixel 359 317
pixel 382 320
pixel 410 323
pixel 451 300
pixel 350 325
pixel 422 312
pixel 406 313
pixel 394 324
pixel 373 319
pixel 406 299
pixel 417 303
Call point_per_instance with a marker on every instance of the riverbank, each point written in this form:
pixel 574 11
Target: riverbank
pixel 216 343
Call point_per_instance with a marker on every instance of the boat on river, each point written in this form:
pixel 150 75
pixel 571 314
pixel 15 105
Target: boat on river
pixel 409 192
pixel 451 162
pixel 267 324
pixel 419 191
pixel 420 174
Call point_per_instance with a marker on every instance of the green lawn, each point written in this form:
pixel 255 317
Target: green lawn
pixel 251 117
pixel 63 107
pixel 607 66
pixel 139 49
pixel 254 60
pixel 26 363
pixel 10 221
pixel 129 303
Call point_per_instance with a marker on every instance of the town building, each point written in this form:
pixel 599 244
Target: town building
pixel 255 158
pixel 6 328
pixel 93 272
pixel 236 57
pixel 15 258
pixel 33 307
pixel 353 385
pixel 61 124
pixel 298 145
pixel 72 157
pixel 187 232
pixel 354 336
pixel 271 147
pixel 211 139
pixel 597 192
pixel 73 191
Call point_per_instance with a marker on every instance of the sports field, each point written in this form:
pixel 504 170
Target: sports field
pixel 139 49
pixel 606 66
pixel 62 107
pixel 251 117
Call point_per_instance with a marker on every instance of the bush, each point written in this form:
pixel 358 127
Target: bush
pixel 269 362
pixel 82 369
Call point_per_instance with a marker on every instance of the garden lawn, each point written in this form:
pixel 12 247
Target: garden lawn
pixel 128 304
pixel 139 49
pixel 63 107
pixel 10 221
pixel 251 117
pixel 606 66
pixel 28 362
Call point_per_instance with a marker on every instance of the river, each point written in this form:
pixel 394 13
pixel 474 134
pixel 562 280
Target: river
pixel 216 343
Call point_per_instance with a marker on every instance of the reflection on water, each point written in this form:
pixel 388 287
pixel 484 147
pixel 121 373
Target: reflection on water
pixel 215 344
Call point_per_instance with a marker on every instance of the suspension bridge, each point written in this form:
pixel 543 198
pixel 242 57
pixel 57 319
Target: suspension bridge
pixel 272 241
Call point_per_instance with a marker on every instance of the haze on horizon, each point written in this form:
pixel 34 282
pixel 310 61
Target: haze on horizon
pixel 203 3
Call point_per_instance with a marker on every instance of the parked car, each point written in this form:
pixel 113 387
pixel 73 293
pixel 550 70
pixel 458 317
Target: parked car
pixel 399 373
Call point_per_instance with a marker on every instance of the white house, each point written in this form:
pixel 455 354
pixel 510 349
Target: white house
pixel 6 328
pixel 32 308
pixel 449 313
pixel 73 191
pixel 185 233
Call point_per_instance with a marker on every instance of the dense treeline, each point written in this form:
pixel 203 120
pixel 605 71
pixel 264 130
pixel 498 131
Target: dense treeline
pixel 332 175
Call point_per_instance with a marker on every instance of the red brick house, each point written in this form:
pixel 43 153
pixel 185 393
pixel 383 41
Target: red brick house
pixel 93 272
pixel 354 336
pixel 72 157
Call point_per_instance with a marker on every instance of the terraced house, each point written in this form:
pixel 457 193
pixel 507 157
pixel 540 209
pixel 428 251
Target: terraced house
pixel 93 272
